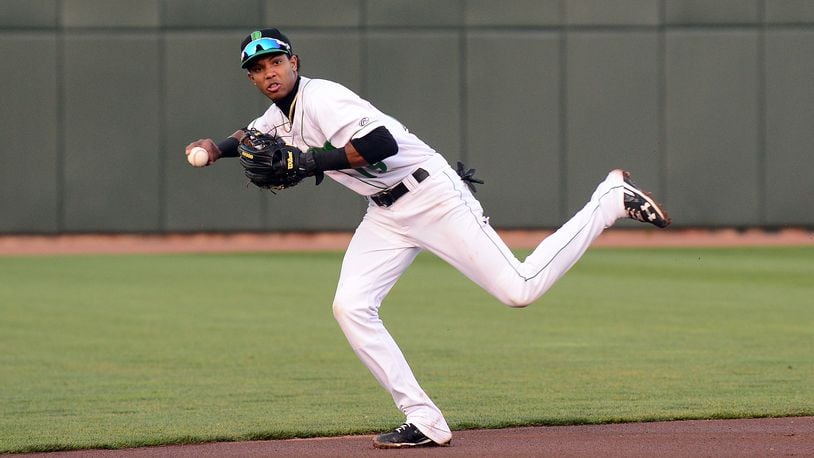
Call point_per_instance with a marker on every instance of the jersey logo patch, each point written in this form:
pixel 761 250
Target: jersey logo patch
pixel 368 171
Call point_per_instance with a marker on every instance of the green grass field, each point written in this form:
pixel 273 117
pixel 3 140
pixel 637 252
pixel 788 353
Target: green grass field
pixel 115 351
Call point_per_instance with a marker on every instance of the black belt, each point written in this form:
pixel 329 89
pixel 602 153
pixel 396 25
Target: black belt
pixel 388 197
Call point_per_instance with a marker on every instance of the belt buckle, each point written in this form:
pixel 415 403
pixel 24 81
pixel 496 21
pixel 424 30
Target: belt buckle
pixel 384 199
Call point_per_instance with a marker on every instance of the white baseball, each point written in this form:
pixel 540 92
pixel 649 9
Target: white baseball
pixel 198 157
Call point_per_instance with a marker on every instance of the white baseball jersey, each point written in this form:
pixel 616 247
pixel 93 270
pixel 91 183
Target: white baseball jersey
pixel 328 115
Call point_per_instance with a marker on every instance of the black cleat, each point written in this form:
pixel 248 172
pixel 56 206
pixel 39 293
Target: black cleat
pixel 640 205
pixel 406 435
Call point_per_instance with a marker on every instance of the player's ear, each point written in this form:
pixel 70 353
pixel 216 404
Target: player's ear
pixel 295 62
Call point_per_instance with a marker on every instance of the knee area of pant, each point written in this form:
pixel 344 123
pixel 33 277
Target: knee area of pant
pixel 516 301
pixel 517 304
pixel 341 309
pixel 350 307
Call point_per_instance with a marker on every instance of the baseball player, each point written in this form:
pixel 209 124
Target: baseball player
pixel 416 202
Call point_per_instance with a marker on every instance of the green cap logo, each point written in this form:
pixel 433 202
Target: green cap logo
pixel 256 34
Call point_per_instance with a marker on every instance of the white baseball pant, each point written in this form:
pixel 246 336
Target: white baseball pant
pixel 441 215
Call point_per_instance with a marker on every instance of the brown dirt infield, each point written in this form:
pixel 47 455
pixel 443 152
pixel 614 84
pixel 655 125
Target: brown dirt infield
pixel 719 438
pixel 695 438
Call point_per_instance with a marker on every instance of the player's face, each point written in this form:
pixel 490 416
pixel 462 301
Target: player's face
pixel 274 75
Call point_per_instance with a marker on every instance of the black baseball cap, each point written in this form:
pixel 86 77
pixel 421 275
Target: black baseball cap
pixel 263 42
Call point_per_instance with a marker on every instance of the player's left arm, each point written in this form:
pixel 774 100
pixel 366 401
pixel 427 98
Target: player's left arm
pixel 375 146
pixel 343 118
pixel 371 148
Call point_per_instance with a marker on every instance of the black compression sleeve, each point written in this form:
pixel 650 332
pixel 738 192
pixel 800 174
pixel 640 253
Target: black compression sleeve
pixel 378 144
pixel 228 147
pixel 332 159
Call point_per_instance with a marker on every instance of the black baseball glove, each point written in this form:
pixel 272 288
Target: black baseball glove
pixel 271 164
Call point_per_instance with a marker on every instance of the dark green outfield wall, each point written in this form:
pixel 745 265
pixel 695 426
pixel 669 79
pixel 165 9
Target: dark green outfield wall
pixel 709 103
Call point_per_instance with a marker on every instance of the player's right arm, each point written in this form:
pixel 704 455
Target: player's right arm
pixel 225 148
